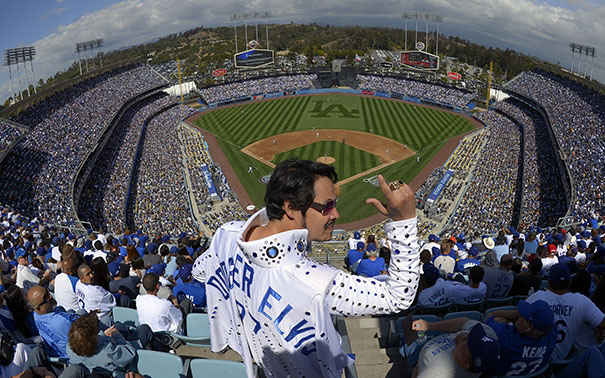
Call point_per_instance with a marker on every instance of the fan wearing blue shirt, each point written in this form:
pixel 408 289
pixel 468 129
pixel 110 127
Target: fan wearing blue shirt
pixel 192 290
pixel 527 343
pixel 463 266
pixel 373 265
pixel 354 255
pixel 53 323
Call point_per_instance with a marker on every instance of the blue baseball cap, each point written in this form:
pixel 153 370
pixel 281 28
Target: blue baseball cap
pixel 361 245
pixel 559 272
pixel 157 269
pixel 185 272
pixel 152 247
pixel 538 313
pixel 581 244
pixel 484 349
pixel 356 235
pixel 20 253
pixel 114 268
pixel 432 237
pixel 474 251
pixel 371 247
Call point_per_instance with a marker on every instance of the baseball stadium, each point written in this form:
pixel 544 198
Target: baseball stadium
pixel 132 195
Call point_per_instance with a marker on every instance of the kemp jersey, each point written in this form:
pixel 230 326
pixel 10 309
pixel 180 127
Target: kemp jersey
pixel 572 312
pixel 521 355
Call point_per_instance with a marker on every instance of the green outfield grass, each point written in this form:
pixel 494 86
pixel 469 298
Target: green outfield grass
pixel 422 129
pixel 349 160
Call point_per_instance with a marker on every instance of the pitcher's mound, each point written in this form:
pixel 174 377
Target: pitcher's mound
pixel 326 159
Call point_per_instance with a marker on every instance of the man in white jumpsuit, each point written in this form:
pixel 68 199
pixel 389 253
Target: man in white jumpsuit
pixel 271 303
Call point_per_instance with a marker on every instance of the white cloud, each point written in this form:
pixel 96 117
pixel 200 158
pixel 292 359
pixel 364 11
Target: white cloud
pixel 528 26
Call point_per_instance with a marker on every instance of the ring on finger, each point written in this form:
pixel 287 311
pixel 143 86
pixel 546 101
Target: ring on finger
pixel 394 185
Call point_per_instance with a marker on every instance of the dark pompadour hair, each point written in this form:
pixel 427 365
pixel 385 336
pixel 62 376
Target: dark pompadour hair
pixel 293 181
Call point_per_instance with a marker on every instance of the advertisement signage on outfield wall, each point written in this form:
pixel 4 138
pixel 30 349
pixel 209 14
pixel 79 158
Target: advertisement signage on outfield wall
pixel 381 94
pixel 273 94
pixel 367 92
pixel 454 75
pixel 253 58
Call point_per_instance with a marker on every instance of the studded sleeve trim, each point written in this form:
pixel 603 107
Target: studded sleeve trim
pixel 352 295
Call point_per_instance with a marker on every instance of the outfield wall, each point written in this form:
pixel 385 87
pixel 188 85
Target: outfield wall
pixel 365 92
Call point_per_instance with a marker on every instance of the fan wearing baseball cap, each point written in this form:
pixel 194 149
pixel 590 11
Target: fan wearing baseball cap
pixel 527 343
pixel 468 349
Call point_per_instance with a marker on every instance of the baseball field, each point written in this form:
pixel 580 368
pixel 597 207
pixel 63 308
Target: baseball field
pixel 360 136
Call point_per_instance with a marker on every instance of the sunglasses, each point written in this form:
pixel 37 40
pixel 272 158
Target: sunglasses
pixel 324 208
pixel 45 300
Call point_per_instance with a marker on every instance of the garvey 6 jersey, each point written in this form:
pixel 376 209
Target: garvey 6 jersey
pixel 572 312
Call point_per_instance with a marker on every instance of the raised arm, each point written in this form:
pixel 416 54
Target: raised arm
pixel 353 295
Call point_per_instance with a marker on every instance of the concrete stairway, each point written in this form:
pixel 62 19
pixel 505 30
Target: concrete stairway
pixel 374 358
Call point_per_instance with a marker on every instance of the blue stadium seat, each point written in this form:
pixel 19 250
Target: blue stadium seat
pixel 474 315
pixel 198 331
pixel 432 310
pixel 127 316
pixel 497 302
pixel 152 364
pixel 502 308
pixel 202 368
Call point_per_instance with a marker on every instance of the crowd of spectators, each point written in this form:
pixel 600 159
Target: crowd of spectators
pixel 104 196
pixel 257 86
pixel 488 202
pixel 543 193
pixel 36 176
pixel 577 116
pixel 465 155
pixel 418 89
pixel 8 135
pixel 159 201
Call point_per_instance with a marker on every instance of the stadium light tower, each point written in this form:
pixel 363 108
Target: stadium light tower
pixel 426 17
pixel 582 50
pixel 250 16
pixel 21 55
pixel 86 46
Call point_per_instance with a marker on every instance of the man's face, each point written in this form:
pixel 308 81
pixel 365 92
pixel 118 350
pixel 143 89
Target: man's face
pixel 321 226
pixel 462 355
pixel 87 276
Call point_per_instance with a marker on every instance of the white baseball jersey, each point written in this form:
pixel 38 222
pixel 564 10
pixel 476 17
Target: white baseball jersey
pixel 159 314
pixel 272 304
pixel 459 293
pixel 65 292
pixel 353 242
pixel 445 263
pixel 572 312
pixel 26 279
pixel 434 295
pixel 94 297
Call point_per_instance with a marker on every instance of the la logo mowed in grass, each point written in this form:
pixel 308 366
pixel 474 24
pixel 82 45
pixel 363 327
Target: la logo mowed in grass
pixel 338 110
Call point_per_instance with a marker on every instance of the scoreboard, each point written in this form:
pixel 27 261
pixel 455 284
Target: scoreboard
pixel 253 58
pixel 419 60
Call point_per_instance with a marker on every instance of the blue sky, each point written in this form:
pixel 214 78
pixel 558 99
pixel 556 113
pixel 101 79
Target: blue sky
pixel 541 28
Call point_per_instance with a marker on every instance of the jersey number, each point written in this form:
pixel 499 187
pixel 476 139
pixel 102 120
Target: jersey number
pixel 500 290
pixel 560 324
pixel 519 367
